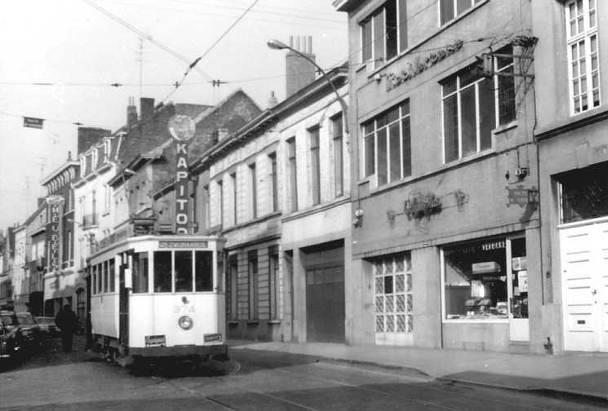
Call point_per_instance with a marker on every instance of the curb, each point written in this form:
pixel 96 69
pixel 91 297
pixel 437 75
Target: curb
pixel 589 398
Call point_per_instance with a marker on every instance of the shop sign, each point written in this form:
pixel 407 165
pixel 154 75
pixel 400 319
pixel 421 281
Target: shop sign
pixel 521 196
pixel 182 129
pixel 493 245
pixel 55 206
pixel 422 205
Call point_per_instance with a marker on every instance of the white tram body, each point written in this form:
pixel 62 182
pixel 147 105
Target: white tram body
pixel 159 296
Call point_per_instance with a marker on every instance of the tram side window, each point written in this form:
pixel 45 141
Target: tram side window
pixel 162 271
pixel 183 271
pixel 204 270
pixel 140 272
pixel 99 290
pixel 105 276
pixel 112 275
pixel 94 279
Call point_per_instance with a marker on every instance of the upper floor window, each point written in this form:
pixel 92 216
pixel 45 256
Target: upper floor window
pixel 253 187
pixel 387 145
pixel 220 193
pixel 293 174
pixel 337 131
pixel 234 198
pixel 473 105
pixel 315 165
pixel 583 55
pixel 274 181
pixel 450 9
pixel 384 32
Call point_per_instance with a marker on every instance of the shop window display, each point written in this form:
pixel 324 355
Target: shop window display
pixel 476 285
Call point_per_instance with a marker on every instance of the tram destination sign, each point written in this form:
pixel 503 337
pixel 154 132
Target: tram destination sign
pixel 182 129
pixel 183 244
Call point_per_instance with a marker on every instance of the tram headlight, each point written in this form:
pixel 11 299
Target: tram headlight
pixel 185 322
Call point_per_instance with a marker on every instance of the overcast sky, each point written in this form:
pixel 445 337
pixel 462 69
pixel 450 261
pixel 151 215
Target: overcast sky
pixel 81 51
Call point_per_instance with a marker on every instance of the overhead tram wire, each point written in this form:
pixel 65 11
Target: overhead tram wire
pixel 144 35
pixel 178 84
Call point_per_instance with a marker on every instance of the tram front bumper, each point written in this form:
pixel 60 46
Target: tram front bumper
pixel 180 351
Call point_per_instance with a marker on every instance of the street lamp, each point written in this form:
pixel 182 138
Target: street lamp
pixel 279 45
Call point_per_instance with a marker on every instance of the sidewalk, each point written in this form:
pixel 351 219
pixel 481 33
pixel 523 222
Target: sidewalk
pixel 577 374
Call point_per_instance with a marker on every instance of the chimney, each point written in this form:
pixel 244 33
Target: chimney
pixel 299 71
pixel 222 133
pixel 146 107
pixel 272 100
pixel 131 112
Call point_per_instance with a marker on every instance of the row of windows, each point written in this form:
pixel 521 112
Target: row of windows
pixel 384 35
pixel 103 277
pixel 472 107
pixel 384 32
pixel 314 157
pixel 230 186
pixel 173 271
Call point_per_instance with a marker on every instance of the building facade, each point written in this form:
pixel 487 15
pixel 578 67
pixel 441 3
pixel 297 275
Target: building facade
pixel 573 155
pixel 63 283
pixel 445 185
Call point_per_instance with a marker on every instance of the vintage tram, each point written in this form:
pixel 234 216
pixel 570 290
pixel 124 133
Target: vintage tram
pixel 158 297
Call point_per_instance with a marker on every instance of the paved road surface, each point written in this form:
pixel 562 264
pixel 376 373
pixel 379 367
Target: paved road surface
pixel 255 380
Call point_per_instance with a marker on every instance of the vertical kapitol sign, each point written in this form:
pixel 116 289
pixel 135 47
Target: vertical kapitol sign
pixel 182 129
pixel 55 211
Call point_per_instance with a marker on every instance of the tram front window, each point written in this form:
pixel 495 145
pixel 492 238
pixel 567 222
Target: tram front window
pixel 140 272
pixel 204 271
pixel 183 271
pixel 162 271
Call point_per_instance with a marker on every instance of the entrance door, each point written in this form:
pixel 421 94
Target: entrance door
pixel 325 304
pixel 517 281
pixel 584 256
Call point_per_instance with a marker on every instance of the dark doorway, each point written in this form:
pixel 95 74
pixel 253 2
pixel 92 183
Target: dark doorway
pixel 324 266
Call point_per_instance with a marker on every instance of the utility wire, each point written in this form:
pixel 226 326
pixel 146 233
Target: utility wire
pixel 144 35
pixel 211 47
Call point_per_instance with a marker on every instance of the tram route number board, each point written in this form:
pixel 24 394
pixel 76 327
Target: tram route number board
pixel 183 244
pixel 156 341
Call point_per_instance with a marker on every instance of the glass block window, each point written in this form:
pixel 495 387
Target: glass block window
pixel 393 294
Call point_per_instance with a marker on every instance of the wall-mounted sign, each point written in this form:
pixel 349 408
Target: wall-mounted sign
pixel 32 122
pixel 55 211
pixel 182 129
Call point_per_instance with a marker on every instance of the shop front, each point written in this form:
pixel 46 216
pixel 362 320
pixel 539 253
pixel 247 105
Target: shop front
pixel 485 293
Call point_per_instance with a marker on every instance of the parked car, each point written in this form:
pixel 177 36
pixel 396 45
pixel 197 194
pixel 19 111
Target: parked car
pixel 10 337
pixel 47 326
pixel 29 330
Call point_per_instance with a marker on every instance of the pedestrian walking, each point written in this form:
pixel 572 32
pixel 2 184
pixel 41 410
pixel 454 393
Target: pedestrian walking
pixel 67 321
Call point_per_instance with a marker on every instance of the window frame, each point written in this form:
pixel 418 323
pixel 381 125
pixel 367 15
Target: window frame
pixel 314 138
pixel 401 37
pixel 455 13
pixel 583 36
pixel 234 198
pixel 375 130
pixel 273 181
pixel 337 131
pixel 292 166
pixel 458 92
pixel 253 189
pixel 508 253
